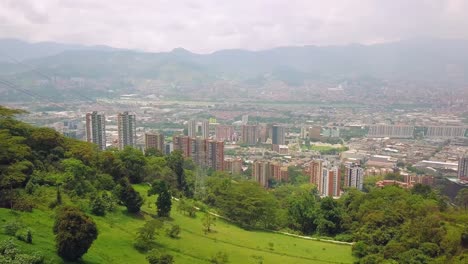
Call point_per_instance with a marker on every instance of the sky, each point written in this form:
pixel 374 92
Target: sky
pixel 205 26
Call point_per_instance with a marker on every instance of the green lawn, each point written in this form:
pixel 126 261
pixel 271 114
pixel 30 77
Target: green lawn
pixel 117 231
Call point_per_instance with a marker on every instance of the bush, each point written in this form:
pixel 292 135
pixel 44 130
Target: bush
pixel 97 206
pixel 142 245
pixel 219 258
pixel 30 187
pixel 156 257
pixel 22 204
pixel 9 253
pixel 10 228
pixel 174 231
pixel 24 235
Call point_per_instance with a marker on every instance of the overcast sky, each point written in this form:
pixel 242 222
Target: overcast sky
pixel 208 25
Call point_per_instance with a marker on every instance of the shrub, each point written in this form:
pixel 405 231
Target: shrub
pixel 30 187
pixel 9 253
pixel 10 228
pixel 97 206
pixel 174 231
pixel 22 204
pixel 156 257
pixel 24 235
pixel 219 258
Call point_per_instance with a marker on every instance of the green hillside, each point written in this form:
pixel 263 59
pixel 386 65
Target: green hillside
pixel 117 232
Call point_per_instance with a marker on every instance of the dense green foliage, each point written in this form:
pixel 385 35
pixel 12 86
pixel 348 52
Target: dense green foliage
pixel 75 232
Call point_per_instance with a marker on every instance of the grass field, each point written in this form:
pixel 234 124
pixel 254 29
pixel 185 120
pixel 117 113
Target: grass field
pixel 117 232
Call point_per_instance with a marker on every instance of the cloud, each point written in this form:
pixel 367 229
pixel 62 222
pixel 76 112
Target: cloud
pixel 209 25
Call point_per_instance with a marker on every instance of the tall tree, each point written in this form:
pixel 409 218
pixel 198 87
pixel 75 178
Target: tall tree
pixel 175 161
pixel 164 202
pixel 462 198
pixel 75 233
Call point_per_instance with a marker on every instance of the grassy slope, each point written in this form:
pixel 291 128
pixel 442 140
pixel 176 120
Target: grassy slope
pixel 117 231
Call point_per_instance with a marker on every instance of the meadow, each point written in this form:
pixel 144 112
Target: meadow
pixel 117 231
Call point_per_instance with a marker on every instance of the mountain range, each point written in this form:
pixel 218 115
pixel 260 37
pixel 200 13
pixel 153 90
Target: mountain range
pixel 415 59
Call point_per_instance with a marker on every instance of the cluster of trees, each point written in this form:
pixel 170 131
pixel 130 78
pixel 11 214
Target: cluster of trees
pixel 34 159
pixel 387 224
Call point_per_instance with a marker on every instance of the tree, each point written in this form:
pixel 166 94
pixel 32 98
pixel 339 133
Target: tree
pixel 462 198
pixel 164 203
pixel 146 235
pixel 133 163
pixel 248 204
pixel 75 233
pixel 208 221
pixel 153 152
pixel 174 231
pixel 175 161
pixel 156 257
pixel 129 197
pixel 98 206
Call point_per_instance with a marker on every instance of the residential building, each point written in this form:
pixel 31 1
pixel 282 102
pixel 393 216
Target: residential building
pixel 354 176
pixel 205 129
pixel 96 129
pixel 391 131
pixel 463 168
pixel 224 133
pixel 250 134
pixel 156 141
pixel 330 182
pixel 261 172
pixel 233 165
pixel 192 128
pixel 126 130
pixel 278 134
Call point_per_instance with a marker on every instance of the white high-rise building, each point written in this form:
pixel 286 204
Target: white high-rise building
pixel 96 129
pixel 192 128
pixel 354 176
pixel 126 129
pixel 205 129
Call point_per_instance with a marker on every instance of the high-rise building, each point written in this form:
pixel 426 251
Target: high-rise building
pixel 215 155
pixel 192 128
pixel 126 130
pixel 463 168
pixel 205 129
pixel 315 172
pixel 233 165
pixel 354 176
pixel 330 182
pixel 261 172
pixel 245 119
pixel 156 141
pixel 204 152
pixel 96 129
pixel 249 134
pixel 278 135
pixel 224 133
pixel 182 143
pixel 315 131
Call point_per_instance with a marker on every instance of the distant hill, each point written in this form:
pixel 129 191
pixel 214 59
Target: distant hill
pixel 417 59
pixel 21 50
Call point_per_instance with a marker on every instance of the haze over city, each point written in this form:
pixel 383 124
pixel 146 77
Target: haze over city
pixel 207 26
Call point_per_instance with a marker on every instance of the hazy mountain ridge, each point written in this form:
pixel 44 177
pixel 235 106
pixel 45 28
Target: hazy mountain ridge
pixel 410 59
